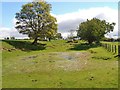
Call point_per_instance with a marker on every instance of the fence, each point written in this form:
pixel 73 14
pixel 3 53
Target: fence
pixel 112 48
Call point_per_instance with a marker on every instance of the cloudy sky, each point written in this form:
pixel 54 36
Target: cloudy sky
pixel 69 15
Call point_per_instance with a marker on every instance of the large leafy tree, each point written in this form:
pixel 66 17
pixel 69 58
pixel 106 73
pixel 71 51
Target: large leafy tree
pixel 94 30
pixel 34 19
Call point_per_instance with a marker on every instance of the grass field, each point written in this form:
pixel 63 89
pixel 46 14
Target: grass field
pixel 57 64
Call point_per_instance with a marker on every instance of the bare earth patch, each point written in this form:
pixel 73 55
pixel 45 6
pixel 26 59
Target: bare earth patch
pixel 72 61
pixel 68 61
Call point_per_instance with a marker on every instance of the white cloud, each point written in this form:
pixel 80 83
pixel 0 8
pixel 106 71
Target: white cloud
pixel 9 32
pixel 70 21
pixel 4 32
pixel 14 21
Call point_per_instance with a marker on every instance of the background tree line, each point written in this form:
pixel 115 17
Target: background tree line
pixel 35 20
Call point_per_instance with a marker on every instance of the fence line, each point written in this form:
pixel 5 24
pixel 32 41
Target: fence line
pixel 112 48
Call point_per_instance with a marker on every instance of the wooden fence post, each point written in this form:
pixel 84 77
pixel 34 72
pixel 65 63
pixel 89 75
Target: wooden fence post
pixel 112 48
pixel 105 46
pixel 109 48
pixel 115 48
pixel 119 50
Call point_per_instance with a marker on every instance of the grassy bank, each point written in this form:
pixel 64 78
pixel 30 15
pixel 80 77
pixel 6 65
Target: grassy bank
pixel 57 64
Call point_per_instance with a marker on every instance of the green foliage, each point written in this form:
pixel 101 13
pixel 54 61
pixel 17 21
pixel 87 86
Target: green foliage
pixel 12 38
pixel 108 39
pixel 7 38
pixel 94 29
pixel 34 19
pixel 118 39
pixel 59 36
pixel 83 46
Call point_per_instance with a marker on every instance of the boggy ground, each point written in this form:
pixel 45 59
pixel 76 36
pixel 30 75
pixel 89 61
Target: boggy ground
pixel 58 65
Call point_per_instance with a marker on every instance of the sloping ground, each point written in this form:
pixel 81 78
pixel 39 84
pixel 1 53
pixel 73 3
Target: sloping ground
pixel 59 67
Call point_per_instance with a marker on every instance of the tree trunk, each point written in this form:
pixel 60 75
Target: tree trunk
pixel 49 39
pixel 89 41
pixel 35 41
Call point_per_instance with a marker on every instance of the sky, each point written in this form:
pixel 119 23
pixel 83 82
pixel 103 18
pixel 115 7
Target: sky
pixel 68 14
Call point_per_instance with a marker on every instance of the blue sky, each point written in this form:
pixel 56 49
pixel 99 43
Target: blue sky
pixel 63 11
pixel 10 8
pixel 67 7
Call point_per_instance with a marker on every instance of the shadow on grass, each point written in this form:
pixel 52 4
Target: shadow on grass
pixel 83 46
pixel 25 45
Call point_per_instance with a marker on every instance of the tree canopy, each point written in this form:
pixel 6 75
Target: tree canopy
pixel 35 20
pixel 59 36
pixel 94 30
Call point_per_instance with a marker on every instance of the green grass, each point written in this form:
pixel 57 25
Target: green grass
pixel 113 43
pixel 57 65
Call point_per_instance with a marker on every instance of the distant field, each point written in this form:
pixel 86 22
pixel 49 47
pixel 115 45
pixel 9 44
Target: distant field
pixel 57 64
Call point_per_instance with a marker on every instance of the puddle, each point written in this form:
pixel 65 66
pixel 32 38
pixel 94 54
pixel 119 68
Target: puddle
pixel 72 60
pixel 72 56
pixel 67 56
pixel 69 61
